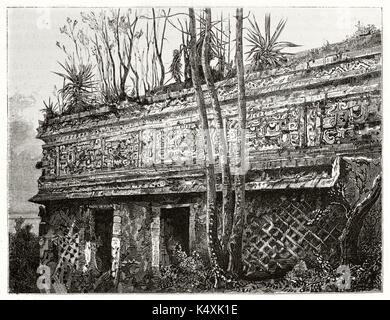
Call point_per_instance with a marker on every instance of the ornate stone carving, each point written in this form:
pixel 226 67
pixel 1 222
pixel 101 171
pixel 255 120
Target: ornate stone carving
pixel 344 118
pixel 334 104
pixel 49 160
pixel 274 129
pixel 80 157
pixel 122 152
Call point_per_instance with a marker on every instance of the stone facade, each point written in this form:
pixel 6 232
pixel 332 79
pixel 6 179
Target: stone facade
pixel 305 124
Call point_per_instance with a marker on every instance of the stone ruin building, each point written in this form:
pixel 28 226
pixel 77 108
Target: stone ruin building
pixel 117 181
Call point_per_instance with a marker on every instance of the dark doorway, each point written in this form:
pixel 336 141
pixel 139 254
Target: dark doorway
pixel 174 232
pixel 103 233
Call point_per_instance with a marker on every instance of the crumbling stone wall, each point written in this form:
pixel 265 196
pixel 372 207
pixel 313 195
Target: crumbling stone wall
pixel 136 241
pixel 285 226
pixel 300 117
pixel 328 106
pixel 69 241
pixel 65 228
pixel 361 196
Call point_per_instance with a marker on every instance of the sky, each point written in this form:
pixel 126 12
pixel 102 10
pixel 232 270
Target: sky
pixel 33 56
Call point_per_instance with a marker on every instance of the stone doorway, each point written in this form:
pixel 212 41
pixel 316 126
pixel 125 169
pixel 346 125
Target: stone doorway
pixel 174 232
pixel 103 233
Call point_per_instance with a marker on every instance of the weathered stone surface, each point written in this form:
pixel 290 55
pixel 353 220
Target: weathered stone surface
pixel 308 125
pixel 332 107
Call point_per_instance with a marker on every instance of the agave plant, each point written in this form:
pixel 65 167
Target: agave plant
pixel 50 110
pixel 78 86
pixel 266 51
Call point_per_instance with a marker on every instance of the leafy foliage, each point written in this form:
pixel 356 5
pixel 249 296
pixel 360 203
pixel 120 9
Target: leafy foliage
pixel 132 276
pixel 357 41
pixel 78 85
pixel 368 275
pixel 92 281
pixel 23 260
pixel 216 45
pixel 317 275
pixel 191 273
pixel 216 48
pixel 303 279
pixel 51 109
pixel 364 30
pixel 265 51
pixel 108 95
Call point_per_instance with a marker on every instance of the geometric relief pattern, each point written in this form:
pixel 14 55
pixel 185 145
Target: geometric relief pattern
pixel 344 120
pixel 49 161
pixel 176 145
pixel 288 75
pixel 68 253
pixel 275 129
pixel 60 246
pixel 151 147
pixel 179 144
pixel 330 121
pixel 347 120
pixel 313 127
pixel 327 122
pixel 121 152
pixel 85 156
pixel 286 232
pixel 99 154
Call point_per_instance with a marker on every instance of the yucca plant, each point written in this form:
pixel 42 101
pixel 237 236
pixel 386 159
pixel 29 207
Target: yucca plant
pixel 266 51
pixel 50 110
pixel 215 43
pixel 78 86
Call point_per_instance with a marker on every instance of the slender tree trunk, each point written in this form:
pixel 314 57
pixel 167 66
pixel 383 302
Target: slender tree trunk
pixel 158 51
pixel 222 50
pixel 235 263
pixel 106 39
pixel 350 235
pixel 228 59
pixel 136 81
pixel 211 221
pixel 227 192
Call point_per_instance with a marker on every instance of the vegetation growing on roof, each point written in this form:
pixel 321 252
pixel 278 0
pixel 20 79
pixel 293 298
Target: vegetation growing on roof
pixel 364 37
pixel 116 57
pixel 265 50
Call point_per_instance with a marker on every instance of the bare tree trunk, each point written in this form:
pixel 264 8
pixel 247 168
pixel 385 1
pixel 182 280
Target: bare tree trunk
pixel 187 68
pixel 222 50
pixel 147 85
pixel 227 192
pixel 228 59
pixel 108 47
pixel 136 82
pixel 157 49
pixel 100 63
pixel 124 67
pixel 350 235
pixel 235 264
pixel 211 197
pixel 184 49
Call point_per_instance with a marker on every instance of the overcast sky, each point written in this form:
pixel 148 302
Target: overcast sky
pixel 33 55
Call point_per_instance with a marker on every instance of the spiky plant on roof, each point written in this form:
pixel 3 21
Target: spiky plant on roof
pixel 266 51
